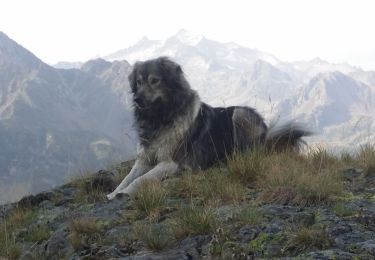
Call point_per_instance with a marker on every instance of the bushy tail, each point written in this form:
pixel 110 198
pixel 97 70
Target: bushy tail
pixel 287 136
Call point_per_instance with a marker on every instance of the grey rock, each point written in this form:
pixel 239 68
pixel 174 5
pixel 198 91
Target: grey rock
pixel 27 255
pixel 57 246
pixel 248 233
pixel 338 229
pixel 227 212
pixel 368 247
pixel 328 255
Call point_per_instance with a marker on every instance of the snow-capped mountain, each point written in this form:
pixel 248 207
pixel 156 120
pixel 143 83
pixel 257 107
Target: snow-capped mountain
pixel 55 121
pixel 333 98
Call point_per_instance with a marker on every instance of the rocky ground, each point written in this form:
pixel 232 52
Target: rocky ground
pixel 71 222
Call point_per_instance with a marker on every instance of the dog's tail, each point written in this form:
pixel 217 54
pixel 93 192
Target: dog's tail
pixel 286 137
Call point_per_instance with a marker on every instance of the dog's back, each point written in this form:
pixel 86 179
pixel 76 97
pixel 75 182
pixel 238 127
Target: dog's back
pixel 217 132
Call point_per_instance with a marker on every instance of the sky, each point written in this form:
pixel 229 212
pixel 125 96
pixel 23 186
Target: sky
pixel 77 30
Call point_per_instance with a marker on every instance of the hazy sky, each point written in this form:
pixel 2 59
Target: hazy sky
pixel 335 30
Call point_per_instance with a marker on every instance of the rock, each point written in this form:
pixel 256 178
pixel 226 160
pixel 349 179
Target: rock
pixel 248 233
pixel 339 229
pixel 227 212
pixel 368 247
pixel 116 232
pixel 104 181
pixel 329 254
pixel 34 200
pixel 303 218
pixel 57 246
pixel 27 255
pixel 274 227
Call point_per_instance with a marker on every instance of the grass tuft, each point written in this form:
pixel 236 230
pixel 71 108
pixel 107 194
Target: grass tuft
pixel 305 238
pixel 18 218
pixel 366 159
pixel 211 186
pixel 150 197
pixel 321 159
pixel 38 234
pixel 155 236
pixel 247 167
pixel 341 210
pixel 193 220
pixel 84 231
pixel 86 192
pixel 294 179
pixel 249 216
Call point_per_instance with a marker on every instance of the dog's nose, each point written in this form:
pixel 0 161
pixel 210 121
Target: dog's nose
pixel 139 101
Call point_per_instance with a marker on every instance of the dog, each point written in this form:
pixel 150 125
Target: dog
pixel 177 130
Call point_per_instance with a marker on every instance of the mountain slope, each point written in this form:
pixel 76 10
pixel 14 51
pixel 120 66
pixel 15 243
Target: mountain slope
pixel 52 121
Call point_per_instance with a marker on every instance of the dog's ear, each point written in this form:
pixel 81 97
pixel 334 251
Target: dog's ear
pixel 132 76
pixel 171 67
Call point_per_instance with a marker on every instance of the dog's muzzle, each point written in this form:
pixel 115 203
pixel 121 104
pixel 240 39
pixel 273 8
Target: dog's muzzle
pixel 139 102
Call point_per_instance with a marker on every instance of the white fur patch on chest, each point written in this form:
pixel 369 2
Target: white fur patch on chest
pixel 168 139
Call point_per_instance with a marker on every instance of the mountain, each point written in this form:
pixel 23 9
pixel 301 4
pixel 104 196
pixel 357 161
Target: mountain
pixel 55 120
pixel 68 65
pixel 337 100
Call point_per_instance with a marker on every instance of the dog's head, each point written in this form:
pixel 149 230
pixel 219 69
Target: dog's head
pixel 155 81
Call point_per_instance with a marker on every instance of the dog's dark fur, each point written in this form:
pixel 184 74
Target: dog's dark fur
pixel 177 130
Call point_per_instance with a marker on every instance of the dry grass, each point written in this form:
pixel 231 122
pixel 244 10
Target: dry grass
pixel 300 180
pixel 305 238
pixel 121 169
pixel 84 231
pixel 18 218
pixel 249 216
pixel 86 193
pixel 193 220
pixel 321 159
pixel 211 186
pixel 150 197
pixel 289 178
pixel 247 167
pixel 365 159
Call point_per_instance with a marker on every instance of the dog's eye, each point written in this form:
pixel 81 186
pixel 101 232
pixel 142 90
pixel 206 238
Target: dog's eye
pixel 154 80
pixel 139 82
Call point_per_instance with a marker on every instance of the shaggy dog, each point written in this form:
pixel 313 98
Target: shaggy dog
pixel 178 131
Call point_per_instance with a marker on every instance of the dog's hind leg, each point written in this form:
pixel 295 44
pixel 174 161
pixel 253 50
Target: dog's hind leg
pixel 161 170
pixel 249 129
pixel 140 167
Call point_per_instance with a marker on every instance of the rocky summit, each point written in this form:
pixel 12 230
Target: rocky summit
pixel 246 209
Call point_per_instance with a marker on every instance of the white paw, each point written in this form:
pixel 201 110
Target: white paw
pixel 111 195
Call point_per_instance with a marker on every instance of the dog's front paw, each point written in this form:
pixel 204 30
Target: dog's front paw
pixel 112 195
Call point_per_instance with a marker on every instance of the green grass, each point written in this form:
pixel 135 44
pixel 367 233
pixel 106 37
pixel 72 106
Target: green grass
pixel 38 234
pixel 341 210
pixel 154 236
pixel 249 216
pixel 193 220
pixel 150 198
